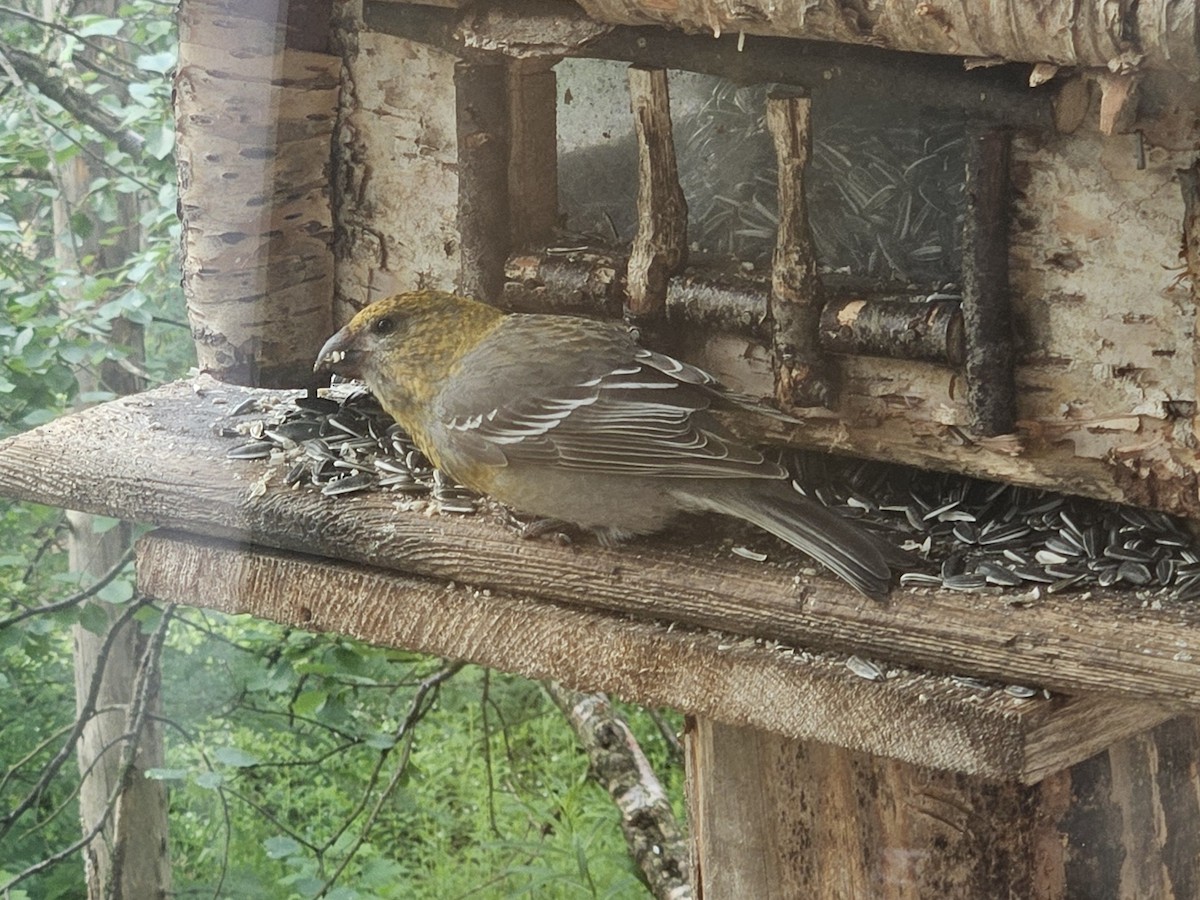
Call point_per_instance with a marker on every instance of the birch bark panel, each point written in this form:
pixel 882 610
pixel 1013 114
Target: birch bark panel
pixel 254 121
pixel 1106 356
pixel 396 171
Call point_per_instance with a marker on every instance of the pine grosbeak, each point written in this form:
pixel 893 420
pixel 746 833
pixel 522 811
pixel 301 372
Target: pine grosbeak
pixel 571 419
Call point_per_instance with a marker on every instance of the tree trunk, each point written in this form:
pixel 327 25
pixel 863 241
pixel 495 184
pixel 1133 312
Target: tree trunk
pixel 122 861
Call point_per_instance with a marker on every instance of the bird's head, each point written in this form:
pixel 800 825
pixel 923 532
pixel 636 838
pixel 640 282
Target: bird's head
pixel 403 346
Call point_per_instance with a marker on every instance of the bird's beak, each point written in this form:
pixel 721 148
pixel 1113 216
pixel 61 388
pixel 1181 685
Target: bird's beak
pixel 339 355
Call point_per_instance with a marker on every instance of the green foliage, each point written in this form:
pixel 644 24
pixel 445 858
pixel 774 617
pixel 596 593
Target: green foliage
pixel 57 317
pixel 493 800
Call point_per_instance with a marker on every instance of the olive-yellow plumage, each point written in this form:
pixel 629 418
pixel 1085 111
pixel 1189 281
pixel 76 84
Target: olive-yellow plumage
pixel 571 419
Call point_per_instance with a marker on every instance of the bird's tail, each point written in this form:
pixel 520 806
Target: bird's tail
pixel 851 552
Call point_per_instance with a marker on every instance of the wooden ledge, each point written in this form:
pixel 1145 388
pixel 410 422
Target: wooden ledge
pixel 154 458
pixel 924 719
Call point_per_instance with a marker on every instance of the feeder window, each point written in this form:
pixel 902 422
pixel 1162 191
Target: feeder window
pixel 885 192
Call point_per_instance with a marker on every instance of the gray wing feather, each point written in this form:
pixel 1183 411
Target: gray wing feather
pixel 592 399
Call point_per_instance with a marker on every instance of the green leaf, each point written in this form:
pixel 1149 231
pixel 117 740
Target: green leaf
pixel 104 524
pixel 116 592
pixel 235 757
pixel 161 142
pixel 281 847
pixel 93 618
pixel 98 26
pixel 309 703
pixel 210 780
pixel 157 62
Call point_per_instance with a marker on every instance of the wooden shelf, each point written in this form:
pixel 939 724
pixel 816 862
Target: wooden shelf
pixel 638 619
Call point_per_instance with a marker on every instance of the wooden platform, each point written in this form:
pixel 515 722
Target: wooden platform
pixel 657 621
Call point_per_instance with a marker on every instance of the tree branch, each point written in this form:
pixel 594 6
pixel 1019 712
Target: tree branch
pixel 655 839
pixel 26 67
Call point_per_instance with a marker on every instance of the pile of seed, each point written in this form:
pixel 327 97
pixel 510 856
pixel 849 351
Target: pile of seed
pixel 982 533
pixel 976 534
pixel 344 447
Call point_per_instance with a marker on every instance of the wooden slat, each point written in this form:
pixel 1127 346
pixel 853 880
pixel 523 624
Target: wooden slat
pixel 153 458
pixel 921 718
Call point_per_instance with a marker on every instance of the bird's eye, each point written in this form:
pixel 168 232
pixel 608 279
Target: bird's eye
pixel 383 326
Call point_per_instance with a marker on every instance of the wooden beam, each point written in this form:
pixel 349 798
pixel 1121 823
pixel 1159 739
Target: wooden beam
pixel 875 78
pixel 481 114
pixel 933 720
pixel 533 151
pixel 929 328
pixel 803 377
pixel 154 458
pixel 660 244
pixel 775 819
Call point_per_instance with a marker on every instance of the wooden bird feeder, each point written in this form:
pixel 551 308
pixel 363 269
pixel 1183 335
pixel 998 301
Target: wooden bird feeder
pixel 332 154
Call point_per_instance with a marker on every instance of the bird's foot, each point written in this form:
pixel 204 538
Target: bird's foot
pixel 538 528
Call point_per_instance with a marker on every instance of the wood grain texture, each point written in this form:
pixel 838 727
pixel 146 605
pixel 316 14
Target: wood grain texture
pixel 154 458
pixel 922 718
pixel 776 819
pixel 481 115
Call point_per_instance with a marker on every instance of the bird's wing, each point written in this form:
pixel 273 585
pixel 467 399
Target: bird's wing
pixel 586 396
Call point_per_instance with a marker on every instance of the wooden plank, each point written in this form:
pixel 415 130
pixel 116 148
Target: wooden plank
pixel 925 719
pixel 660 244
pixel 775 819
pixel 154 458
pixel 803 376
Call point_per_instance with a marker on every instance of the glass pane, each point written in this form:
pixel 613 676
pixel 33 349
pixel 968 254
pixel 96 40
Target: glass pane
pixel 885 195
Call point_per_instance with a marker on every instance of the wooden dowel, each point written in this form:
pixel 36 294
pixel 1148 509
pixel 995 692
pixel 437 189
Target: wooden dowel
pixel 896 328
pixel 802 377
pixel 986 305
pixel 483 217
pixel 660 245
pixel 581 282
pixel 722 303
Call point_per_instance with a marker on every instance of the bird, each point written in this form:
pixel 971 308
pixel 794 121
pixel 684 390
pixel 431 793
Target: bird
pixel 571 419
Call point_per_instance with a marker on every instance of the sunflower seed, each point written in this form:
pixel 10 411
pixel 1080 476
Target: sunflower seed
pixel 864 668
